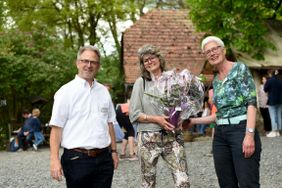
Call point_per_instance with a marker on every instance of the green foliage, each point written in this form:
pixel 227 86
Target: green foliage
pixel 2 15
pixel 31 61
pixel 241 24
pixel 111 75
pixel 3 126
pixel 272 9
pixel 75 20
pixel 32 64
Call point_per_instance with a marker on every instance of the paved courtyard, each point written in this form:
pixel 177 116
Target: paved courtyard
pixel 31 169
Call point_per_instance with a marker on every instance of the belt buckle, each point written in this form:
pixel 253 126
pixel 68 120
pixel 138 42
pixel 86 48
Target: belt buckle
pixel 91 153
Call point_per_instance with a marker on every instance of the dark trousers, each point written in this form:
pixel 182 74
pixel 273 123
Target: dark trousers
pixel 24 141
pixel 266 119
pixel 83 171
pixel 123 121
pixel 232 168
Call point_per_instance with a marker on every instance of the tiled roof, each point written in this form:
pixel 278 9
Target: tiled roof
pixel 173 32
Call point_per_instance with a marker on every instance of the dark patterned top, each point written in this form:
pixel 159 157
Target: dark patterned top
pixel 233 95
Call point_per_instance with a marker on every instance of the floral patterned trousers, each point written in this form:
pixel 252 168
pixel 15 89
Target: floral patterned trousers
pixel 152 145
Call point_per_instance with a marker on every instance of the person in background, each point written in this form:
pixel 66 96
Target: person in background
pixel 273 87
pixel 25 133
pixel 36 127
pixel 206 112
pixel 119 134
pixel 129 135
pixel 155 136
pixel 263 107
pixel 236 143
pixel 82 123
pixel 212 108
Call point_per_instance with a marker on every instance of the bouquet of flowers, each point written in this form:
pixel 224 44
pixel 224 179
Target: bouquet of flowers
pixel 177 94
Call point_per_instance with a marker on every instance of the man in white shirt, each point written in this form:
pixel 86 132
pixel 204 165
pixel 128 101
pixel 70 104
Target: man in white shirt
pixel 82 123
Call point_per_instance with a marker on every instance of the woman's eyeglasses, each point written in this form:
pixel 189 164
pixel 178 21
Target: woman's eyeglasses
pixel 149 59
pixel 212 50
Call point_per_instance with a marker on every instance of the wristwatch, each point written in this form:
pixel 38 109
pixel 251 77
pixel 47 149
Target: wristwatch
pixel 250 130
pixel 113 150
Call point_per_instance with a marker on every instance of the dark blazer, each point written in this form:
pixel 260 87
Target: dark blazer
pixel 273 87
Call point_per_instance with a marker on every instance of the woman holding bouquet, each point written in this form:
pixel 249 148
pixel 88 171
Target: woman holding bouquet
pixel 236 143
pixel 156 136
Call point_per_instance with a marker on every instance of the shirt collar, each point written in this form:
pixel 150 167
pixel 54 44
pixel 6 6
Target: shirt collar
pixel 159 78
pixel 83 82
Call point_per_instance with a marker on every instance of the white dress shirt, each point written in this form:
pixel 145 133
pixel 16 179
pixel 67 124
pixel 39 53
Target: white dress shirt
pixel 84 113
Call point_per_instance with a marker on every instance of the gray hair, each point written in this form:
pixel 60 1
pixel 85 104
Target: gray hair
pixel 88 47
pixel 210 39
pixel 149 49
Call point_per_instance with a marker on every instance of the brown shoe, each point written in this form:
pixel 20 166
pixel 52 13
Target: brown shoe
pixel 122 157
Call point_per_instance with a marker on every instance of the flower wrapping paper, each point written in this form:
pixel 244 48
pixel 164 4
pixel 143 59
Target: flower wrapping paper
pixel 178 95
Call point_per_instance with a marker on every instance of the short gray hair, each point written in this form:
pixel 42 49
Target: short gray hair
pixel 149 49
pixel 210 39
pixel 88 47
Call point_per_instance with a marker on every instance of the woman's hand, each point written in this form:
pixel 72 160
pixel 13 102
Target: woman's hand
pixel 164 123
pixel 248 145
pixel 188 123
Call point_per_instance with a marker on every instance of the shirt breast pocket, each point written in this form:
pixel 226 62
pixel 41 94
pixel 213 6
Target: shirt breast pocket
pixel 103 109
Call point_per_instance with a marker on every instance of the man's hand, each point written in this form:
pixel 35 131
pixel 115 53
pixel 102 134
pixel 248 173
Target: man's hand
pixel 56 170
pixel 115 159
pixel 26 133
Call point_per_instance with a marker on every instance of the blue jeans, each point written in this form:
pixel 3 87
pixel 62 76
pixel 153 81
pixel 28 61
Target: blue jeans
pixel 118 132
pixel 202 128
pixel 275 116
pixel 83 171
pixel 39 138
pixel 232 168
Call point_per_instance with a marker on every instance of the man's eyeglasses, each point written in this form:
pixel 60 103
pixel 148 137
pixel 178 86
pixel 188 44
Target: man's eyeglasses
pixel 212 50
pixel 87 61
pixel 149 59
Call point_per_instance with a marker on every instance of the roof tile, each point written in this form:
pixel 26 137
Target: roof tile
pixel 172 31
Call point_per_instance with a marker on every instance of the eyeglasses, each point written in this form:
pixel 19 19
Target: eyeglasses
pixel 149 59
pixel 87 61
pixel 212 50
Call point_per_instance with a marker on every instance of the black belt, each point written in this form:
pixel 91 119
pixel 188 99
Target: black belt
pixel 91 152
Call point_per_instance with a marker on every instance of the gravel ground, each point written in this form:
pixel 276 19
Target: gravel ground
pixel 31 169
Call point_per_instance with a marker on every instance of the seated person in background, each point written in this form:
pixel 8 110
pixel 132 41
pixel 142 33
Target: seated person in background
pixel 25 133
pixel 36 127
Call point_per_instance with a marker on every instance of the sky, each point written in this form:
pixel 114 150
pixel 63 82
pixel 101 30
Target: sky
pixel 108 42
